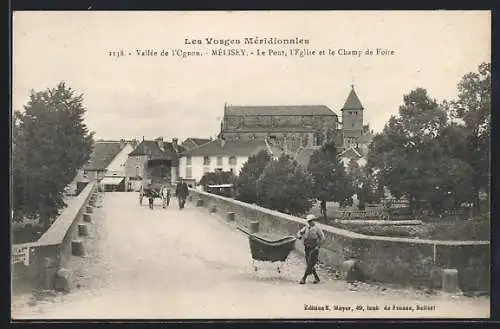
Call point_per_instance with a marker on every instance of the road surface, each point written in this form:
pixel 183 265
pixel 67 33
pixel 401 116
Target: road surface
pixel 191 264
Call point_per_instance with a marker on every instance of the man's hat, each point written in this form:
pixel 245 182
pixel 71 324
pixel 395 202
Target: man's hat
pixel 310 217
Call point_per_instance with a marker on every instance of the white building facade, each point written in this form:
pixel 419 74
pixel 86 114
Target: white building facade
pixel 217 156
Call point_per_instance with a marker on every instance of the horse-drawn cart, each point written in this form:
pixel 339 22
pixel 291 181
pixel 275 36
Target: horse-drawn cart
pixel 150 192
pixel 270 250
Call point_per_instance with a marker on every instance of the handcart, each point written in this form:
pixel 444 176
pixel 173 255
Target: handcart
pixel 270 251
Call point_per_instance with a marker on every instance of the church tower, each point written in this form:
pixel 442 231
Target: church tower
pixel 352 119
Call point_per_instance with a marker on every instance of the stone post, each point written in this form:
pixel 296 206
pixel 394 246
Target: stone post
pixel 213 209
pixel 77 248
pixel 200 203
pixel 350 271
pixel 83 230
pixel 87 218
pixel 254 227
pixel 231 216
pixel 450 280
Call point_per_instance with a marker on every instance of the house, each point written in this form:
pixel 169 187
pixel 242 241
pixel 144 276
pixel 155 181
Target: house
pixel 103 153
pixel 153 161
pixel 192 142
pixel 218 155
pixel 115 178
pixel 353 153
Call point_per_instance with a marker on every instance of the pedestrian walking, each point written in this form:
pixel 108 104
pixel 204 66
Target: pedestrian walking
pixel 151 199
pixel 181 191
pixel 141 195
pixel 313 239
pixel 165 196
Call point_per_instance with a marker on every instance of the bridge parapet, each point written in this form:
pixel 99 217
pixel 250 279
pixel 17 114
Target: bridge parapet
pixel 35 264
pixel 383 259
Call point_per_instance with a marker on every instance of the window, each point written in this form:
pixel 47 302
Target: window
pixel 232 161
pixel 188 160
pixel 219 161
pixel 206 161
pixel 189 173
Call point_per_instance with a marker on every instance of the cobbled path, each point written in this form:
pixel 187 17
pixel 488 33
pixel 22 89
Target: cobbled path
pixel 185 264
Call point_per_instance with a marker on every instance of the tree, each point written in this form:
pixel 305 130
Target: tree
pixel 364 184
pixel 249 174
pixel 50 143
pixel 217 178
pixel 285 186
pixel 409 158
pixel 330 181
pixel 472 114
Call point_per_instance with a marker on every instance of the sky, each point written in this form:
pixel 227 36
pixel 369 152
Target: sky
pixel 150 96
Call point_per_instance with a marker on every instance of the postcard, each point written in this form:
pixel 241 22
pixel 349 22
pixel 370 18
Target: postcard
pixel 250 164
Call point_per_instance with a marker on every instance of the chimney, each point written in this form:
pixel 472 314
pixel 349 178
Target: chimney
pixel 175 144
pixel 122 143
pixel 159 141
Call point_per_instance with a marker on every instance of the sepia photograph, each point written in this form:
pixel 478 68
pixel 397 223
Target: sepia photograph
pixel 183 165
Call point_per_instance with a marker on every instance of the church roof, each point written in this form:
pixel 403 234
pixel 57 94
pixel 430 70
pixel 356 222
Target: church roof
pixel 352 102
pixel 279 110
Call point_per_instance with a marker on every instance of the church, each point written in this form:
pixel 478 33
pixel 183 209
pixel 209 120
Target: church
pixel 295 127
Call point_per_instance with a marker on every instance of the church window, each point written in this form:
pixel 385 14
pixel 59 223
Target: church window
pixel 206 160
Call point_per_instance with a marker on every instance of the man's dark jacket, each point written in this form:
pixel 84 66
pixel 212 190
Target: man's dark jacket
pixel 181 190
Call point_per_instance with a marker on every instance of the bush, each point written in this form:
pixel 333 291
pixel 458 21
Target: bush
pixel 217 178
pixel 285 186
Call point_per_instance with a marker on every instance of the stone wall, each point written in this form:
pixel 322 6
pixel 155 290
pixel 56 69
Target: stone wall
pixel 382 259
pixel 54 248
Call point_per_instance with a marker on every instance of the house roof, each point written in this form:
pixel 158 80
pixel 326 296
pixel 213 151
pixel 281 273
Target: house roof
pixel 351 152
pixel 200 141
pixel 279 110
pixel 102 155
pixel 229 148
pixel 352 102
pixel 151 149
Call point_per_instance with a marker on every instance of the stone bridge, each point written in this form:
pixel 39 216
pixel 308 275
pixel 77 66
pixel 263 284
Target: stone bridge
pixel 122 260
